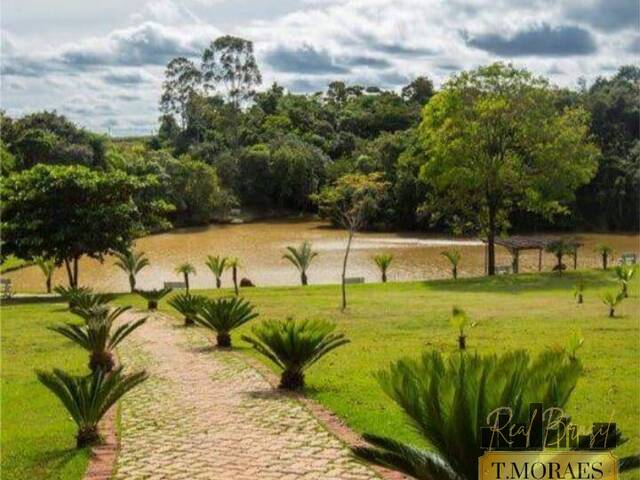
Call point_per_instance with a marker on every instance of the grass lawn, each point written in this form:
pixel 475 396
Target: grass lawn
pixel 38 436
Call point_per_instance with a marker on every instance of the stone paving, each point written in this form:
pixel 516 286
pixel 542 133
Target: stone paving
pixel 205 414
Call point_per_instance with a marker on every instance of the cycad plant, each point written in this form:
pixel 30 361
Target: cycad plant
pixel 459 320
pixel 625 273
pixel 560 248
pixel 88 398
pixel 153 296
pixel 578 291
pixel 98 337
pixel 612 300
pixel 47 267
pixel 131 263
pixel 575 342
pixel 301 257
pixel 234 264
pixel 453 256
pixel 186 269
pixel 605 252
pixel 222 315
pixel 82 297
pixel 217 265
pixel 383 262
pixel 187 305
pixel 294 346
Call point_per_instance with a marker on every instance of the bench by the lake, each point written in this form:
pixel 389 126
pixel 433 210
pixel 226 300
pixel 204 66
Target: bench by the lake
pixel 628 259
pixel 175 285
pixel 6 291
pixel 351 280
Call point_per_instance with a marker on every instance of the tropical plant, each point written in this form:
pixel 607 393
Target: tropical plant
pixel 625 273
pixel 222 315
pixel 234 264
pixel 453 256
pixel 560 248
pixel 154 296
pixel 612 300
pixel 75 296
pixel 575 342
pixel 187 305
pixel 96 336
pixel 47 267
pixel 383 262
pixel 88 398
pixel 605 252
pixel 301 257
pixel 459 320
pixel 186 269
pixel 578 290
pixel 294 346
pixel 217 265
pixel 131 263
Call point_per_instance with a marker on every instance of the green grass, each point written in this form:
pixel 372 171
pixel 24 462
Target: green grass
pixel 12 263
pixel 38 436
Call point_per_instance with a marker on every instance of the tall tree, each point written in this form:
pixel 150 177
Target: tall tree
pixel 182 81
pixel 496 144
pixel 418 91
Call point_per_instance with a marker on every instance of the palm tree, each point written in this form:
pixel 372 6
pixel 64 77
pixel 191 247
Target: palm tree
pixel 625 273
pixel 131 263
pixel 88 398
pixel 223 315
pixel 383 262
pixel 187 305
pixel 453 256
pixel 97 338
pixel 234 264
pixel 294 346
pixel 186 269
pixel 560 248
pixel 217 265
pixel 605 252
pixel 459 321
pixel 612 300
pixel 578 291
pixel 47 267
pixel 301 258
pixel 154 296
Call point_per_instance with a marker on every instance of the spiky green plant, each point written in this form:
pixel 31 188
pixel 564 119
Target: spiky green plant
pixel 98 337
pixel 234 264
pixel 88 398
pixel 222 315
pixel 76 296
pixel 186 269
pixel 624 274
pixel 578 290
pixel 459 320
pixel 383 262
pixel 301 257
pixel 560 248
pixel 47 267
pixel 576 340
pixel 294 346
pixel 217 265
pixel 187 305
pixel 612 300
pixel 154 296
pixel 131 263
pixel 453 255
pixel 605 252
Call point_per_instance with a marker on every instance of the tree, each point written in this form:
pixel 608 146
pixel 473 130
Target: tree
pixel 560 248
pixel 496 144
pixel 217 265
pixel 186 269
pixel 605 252
pixel 182 81
pixel 223 315
pixel 453 256
pixel 131 263
pixel 47 267
pixel 234 264
pixel 418 91
pixel 65 212
pixel 383 262
pixel 301 258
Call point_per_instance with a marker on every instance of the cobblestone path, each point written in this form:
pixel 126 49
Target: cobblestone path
pixel 204 414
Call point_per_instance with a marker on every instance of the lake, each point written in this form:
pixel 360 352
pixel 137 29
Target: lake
pixel 260 246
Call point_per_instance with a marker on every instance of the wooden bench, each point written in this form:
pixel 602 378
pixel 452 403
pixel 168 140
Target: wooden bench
pixel 175 285
pixel 351 280
pixel 628 259
pixel 6 292
pixel 503 270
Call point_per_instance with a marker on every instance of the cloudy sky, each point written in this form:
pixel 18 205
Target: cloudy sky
pixel 101 63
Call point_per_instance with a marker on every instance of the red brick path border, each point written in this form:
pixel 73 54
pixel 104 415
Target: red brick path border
pixel 102 461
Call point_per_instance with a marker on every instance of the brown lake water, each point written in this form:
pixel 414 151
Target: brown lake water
pixel 260 246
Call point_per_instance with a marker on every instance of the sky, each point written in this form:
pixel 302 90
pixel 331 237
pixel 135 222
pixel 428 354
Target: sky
pixel 102 63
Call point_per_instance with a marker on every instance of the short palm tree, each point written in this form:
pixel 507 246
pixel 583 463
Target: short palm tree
pixel 98 337
pixel 294 346
pixel 82 297
pixel 234 264
pixel 186 269
pixel 88 398
pixel 453 256
pixel 605 252
pixel 612 300
pixel 222 315
pixel 217 265
pixel 131 263
pixel 625 273
pixel 383 262
pixel 578 291
pixel 301 258
pixel 560 248
pixel 187 305
pixel 47 267
pixel 153 296
pixel 459 320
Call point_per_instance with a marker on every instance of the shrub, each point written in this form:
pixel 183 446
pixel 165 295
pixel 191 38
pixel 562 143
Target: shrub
pixel 222 315
pixel 625 273
pixel 612 300
pixel 459 320
pixel 294 346
pixel 383 262
pixel 72 295
pixel 154 296
pixel 187 305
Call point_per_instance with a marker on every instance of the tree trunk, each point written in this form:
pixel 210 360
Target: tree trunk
pixel 75 271
pixel 234 273
pixel 580 298
pixel 49 284
pixel 71 265
pixel 132 282
pixel 612 312
pixel 344 271
pixel 605 261
pixel 87 436
pixel 455 272
pixel 291 380
pixel 303 278
pixel 384 277
pixel 491 242
pixel 218 282
pixel 186 282
pixel 462 342
pixel 224 339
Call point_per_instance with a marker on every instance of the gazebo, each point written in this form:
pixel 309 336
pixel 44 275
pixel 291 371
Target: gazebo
pixel 519 243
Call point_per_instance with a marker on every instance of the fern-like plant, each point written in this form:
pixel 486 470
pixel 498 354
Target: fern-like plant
pixel 131 263
pixel 294 346
pixel 217 266
pixel 575 342
pixel 187 305
pixel 154 296
pixel 47 267
pixel 82 297
pixel 612 300
pixel 88 398
pixel 222 315
pixel 578 291
pixel 186 269
pixel 301 257
pixel 453 256
pixel 560 248
pixel 605 252
pixel 624 274
pixel 383 262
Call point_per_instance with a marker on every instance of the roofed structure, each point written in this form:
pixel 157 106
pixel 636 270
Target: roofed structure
pixel 519 243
